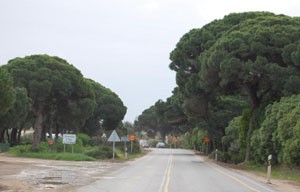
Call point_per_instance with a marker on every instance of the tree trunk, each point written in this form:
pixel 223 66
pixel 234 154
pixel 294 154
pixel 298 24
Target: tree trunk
pixel 13 137
pixel 19 135
pixel 255 102
pixel 2 136
pixel 37 127
pixel 7 136
pixel 43 135
pixel 248 139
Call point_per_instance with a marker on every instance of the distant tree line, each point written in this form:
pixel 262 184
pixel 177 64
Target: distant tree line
pixel 52 96
pixel 237 83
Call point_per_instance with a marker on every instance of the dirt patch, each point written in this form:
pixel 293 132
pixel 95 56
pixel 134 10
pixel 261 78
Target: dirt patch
pixel 35 175
pixel 3 188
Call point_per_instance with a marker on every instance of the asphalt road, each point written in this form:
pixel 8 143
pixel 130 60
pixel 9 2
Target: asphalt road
pixel 174 170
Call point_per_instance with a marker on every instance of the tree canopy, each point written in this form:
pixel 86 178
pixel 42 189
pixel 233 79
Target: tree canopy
pixel 227 72
pixel 109 110
pixel 7 93
pixel 61 98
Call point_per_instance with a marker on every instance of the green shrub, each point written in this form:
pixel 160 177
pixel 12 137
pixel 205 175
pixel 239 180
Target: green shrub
pixel 43 147
pixel 135 147
pixel 20 149
pixel 27 138
pixel 59 156
pixel 100 152
pixel 292 152
pixel 84 139
pixel 153 142
pixel 224 157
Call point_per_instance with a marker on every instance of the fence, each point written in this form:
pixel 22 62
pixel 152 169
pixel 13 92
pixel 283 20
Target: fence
pixel 4 147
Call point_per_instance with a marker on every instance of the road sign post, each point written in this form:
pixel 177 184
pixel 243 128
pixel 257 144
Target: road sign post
pixel 69 139
pixel 206 140
pixel 175 141
pixel 125 139
pixel 114 137
pixel 132 139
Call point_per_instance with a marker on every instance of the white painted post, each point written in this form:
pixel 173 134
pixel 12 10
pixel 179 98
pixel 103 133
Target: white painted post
pixel 216 156
pixel 126 153
pixel 125 149
pixel 269 169
pixel 113 150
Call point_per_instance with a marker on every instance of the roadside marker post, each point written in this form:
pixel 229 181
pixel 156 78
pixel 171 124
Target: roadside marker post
pixel 114 137
pixel 269 169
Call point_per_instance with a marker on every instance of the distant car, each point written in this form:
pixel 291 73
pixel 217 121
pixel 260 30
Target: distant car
pixel 160 145
pixel 144 144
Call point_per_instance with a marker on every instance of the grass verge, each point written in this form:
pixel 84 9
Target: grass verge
pixel 88 153
pixel 58 156
pixel 278 172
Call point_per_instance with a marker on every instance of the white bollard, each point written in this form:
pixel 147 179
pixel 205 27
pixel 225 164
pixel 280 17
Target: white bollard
pixel 269 169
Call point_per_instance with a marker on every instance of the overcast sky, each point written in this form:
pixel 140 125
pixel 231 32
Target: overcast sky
pixel 121 44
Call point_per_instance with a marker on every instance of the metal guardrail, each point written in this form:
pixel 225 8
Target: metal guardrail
pixel 4 147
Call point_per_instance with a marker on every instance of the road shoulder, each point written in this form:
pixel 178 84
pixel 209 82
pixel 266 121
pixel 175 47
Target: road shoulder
pixel 278 184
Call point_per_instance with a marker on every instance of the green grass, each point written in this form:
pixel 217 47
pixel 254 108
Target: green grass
pixel 130 156
pixel 87 153
pixel 58 156
pixel 278 172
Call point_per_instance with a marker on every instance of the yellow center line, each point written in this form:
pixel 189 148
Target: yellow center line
pixel 166 188
pixel 235 179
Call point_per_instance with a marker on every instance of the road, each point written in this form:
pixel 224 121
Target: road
pixel 174 170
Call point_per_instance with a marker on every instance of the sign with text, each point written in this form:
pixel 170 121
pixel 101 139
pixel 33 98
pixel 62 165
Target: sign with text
pixel 125 138
pixel 69 139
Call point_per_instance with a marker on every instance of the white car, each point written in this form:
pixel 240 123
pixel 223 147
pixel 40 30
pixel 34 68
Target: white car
pixel 144 144
pixel 160 145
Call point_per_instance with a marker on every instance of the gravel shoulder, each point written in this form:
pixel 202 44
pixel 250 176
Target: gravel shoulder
pixel 278 184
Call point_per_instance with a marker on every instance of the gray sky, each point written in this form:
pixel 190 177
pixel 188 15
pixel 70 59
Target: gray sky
pixel 122 44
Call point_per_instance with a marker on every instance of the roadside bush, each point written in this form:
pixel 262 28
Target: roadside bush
pixel 227 157
pixel 43 147
pixel 83 139
pixel 27 138
pixel 100 152
pixel 135 147
pixel 222 156
pixel 152 142
pixel 97 140
pixel 291 151
pixel 20 149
